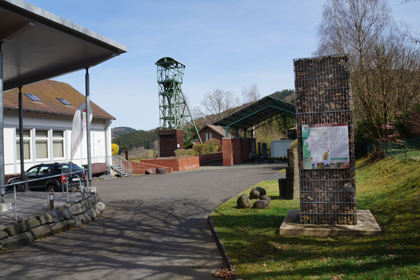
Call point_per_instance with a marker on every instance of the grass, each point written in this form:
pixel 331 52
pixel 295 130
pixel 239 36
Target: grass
pixel 390 189
pixel 147 154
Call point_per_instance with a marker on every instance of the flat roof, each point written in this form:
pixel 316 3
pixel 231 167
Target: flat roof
pixel 256 112
pixel 38 45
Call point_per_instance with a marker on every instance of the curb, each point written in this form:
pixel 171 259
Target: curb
pixel 222 248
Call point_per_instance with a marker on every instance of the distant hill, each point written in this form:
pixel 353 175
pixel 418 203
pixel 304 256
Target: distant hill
pixel 118 131
pixel 136 138
pixel 286 95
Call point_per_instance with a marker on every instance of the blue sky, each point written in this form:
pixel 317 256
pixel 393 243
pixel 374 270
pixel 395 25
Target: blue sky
pixel 224 44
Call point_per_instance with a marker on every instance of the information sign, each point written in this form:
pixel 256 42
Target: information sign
pixel 325 146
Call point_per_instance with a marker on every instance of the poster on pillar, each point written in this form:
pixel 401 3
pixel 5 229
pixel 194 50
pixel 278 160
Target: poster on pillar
pixel 325 146
pixel 78 127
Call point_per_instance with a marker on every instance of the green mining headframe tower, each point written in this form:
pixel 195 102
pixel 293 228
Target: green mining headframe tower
pixel 173 108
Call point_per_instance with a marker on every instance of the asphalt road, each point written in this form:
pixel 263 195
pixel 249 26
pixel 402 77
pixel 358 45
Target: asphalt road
pixel 154 227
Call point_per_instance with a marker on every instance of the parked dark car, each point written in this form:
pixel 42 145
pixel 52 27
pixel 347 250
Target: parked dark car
pixel 53 183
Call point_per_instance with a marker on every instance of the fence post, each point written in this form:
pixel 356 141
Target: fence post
pixel 405 148
pixel 390 148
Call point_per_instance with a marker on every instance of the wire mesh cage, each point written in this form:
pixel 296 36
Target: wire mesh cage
pixel 325 117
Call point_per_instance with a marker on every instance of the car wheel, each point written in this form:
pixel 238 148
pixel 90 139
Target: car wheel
pixel 52 188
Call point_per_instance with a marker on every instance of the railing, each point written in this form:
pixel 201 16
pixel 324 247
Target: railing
pixel 121 162
pixel 398 149
pixel 43 178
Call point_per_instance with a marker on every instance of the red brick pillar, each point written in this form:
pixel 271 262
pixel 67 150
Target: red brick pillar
pixel 237 150
pixel 227 151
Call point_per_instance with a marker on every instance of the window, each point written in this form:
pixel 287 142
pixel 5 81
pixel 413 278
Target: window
pixel 58 144
pixel 210 136
pixel 26 144
pixel 65 102
pixel 44 170
pixel 33 171
pixel 41 144
pixel 33 97
pixel 207 136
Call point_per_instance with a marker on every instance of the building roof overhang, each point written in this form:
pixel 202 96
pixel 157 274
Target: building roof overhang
pixel 256 113
pixel 38 45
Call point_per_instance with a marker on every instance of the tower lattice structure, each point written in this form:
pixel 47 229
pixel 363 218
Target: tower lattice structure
pixel 174 112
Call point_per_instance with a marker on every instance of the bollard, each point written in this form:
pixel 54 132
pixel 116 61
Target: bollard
pixel 50 201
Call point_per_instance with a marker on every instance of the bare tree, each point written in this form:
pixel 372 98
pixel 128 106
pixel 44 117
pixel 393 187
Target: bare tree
pixel 352 27
pixel 218 102
pixel 251 94
pixel 384 63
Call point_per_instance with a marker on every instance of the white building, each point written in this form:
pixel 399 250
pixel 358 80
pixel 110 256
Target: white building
pixel 48 110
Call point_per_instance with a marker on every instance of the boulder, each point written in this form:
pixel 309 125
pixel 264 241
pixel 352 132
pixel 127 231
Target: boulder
pixel 16 228
pixel 66 213
pixel 56 215
pixel 17 240
pixel 243 202
pixel 32 222
pixel 348 187
pixel 261 191
pixel 3 234
pixel 41 231
pixel 100 206
pixel 150 171
pixel 91 213
pixel 266 198
pixel 161 170
pixel 76 209
pixel 96 209
pixel 86 205
pixel 62 226
pixel 77 221
pixel 260 204
pixel 85 218
pixel 254 194
pixel 45 219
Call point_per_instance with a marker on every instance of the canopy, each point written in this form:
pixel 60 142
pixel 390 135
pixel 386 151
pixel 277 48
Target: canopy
pixel 256 113
pixel 38 45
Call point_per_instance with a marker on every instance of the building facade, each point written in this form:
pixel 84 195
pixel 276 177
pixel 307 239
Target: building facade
pixel 48 110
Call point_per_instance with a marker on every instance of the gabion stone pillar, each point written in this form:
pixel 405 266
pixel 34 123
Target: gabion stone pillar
pixel 325 140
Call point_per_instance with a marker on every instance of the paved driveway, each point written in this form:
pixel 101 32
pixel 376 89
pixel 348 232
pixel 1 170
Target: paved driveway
pixel 154 227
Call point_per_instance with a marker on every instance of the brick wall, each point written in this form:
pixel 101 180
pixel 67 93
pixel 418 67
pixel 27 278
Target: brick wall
pixel 209 158
pixel 178 164
pixel 141 167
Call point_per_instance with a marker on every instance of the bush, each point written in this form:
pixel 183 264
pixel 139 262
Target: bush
pixel 181 153
pixel 200 149
pixel 213 141
pixel 115 148
pixel 375 156
pixel 213 145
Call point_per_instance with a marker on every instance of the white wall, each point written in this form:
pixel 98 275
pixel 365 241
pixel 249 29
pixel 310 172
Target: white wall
pixel 50 122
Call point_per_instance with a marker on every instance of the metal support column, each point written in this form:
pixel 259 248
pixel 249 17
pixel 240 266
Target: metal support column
pixel 88 130
pixel 237 132
pixel 285 125
pixel 2 177
pixel 22 156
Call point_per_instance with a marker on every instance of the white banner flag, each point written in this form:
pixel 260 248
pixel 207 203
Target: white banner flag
pixel 78 127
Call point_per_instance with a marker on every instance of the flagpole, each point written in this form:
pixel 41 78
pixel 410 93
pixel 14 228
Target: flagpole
pixel 88 130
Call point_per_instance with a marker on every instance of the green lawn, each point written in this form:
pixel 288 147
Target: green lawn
pixel 390 189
